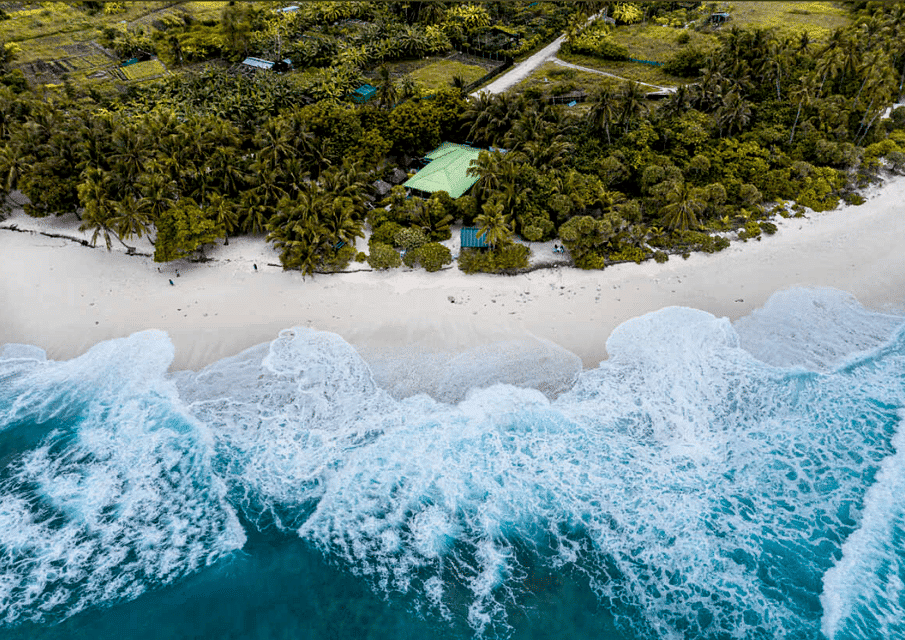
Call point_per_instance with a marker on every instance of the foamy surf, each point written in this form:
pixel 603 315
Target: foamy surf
pixel 694 487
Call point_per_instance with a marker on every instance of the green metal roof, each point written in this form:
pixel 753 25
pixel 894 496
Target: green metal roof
pixel 447 170
pixel 469 238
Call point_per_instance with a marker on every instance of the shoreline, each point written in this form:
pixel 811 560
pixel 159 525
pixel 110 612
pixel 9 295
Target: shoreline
pixel 65 297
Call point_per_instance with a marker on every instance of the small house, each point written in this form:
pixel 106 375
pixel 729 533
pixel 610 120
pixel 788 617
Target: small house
pixel 364 93
pixel 719 18
pixel 472 238
pixel 447 170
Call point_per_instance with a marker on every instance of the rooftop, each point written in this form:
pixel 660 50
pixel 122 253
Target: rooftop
pixel 447 171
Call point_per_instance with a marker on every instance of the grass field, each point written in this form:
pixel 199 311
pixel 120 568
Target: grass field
pixel 440 74
pixel 551 79
pixel 143 70
pixel 657 43
pixel 819 19
pixel 638 72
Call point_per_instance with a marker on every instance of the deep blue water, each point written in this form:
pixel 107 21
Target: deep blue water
pixel 709 480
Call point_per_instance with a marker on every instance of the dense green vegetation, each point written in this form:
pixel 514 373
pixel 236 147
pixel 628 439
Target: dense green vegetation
pixel 206 153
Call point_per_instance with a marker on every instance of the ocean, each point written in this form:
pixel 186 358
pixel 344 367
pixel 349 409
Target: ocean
pixel 710 480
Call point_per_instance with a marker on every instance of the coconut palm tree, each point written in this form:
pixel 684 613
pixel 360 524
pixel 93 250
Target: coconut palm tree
pixel 734 114
pixel 682 207
pixel 631 103
pixel 803 93
pixel 493 225
pixel 386 90
pixel 98 209
pixel 603 110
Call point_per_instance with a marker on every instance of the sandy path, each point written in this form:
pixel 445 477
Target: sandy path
pixel 563 63
pixel 522 70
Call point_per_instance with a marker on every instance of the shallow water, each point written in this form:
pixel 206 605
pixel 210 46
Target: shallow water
pixel 709 480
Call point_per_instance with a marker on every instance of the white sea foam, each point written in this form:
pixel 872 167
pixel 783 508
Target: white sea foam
pixel 863 593
pixel 117 497
pixel 676 476
pixel 704 489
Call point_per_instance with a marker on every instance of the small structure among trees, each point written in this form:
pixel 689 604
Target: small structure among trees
pixel 447 170
pixel 472 238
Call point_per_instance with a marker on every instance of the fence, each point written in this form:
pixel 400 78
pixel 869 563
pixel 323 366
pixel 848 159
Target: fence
pixel 492 74
pixel 650 62
pixel 486 55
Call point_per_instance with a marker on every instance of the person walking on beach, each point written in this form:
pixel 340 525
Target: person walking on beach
pixel 171 283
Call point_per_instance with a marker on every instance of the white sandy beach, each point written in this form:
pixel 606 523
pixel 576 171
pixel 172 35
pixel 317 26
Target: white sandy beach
pixel 65 297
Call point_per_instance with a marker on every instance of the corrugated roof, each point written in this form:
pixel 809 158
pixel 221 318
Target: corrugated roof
pixel 258 63
pixel 447 171
pixel 470 239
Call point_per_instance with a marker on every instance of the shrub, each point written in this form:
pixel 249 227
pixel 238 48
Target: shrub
pixel 626 254
pixel 338 260
pixel 767 227
pixel 687 62
pixel 661 257
pixel 433 256
pixel 361 257
pixel 385 233
pixel 854 198
pixel 409 238
pixel 505 258
pixel 751 230
pixel 383 256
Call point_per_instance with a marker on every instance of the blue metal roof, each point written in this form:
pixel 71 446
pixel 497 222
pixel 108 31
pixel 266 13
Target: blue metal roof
pixel 258 63
pixel 470 239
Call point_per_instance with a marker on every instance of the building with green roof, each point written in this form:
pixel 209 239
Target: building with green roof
pixel 447 170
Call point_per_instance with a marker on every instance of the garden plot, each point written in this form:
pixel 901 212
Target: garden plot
pixel 143 70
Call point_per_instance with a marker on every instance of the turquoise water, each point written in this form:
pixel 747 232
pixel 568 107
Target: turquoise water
pixel 710 480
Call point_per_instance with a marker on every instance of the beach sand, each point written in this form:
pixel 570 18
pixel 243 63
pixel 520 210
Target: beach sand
pixel 65 297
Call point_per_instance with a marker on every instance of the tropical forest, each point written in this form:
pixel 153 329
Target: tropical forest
pixel 656 130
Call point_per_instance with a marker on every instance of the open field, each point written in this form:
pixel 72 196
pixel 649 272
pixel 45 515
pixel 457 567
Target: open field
pixel 818 19
pixel 636 71
pixel 655 42
pixel 440 74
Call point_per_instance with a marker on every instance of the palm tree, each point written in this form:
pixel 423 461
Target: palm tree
pixel 274 143
pixel 492 224
pixel 804 93
pixel 489 167
pixel 130 219
pixel 340 222
pixel 734 114
pixel 158 192
pixel 223 212
pixel 682 208
pixel 386 90
pixel 98 209
pixel 631 103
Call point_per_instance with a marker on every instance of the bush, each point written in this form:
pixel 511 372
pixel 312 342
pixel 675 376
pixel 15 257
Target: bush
pixel 630 254
pixel 338 260
pixel 767 227
pixel 751 230
pixel 506 258
pixel 661 257
pixel 433 256
pixel 361 257
pixel 409 239
pixel 687 62
pixel 385 233
pixel 383 257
